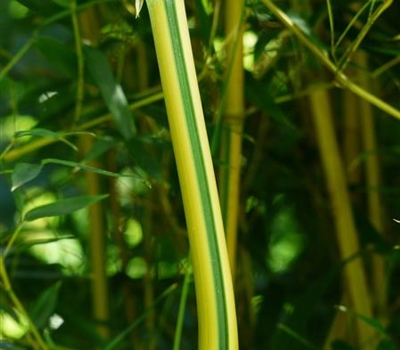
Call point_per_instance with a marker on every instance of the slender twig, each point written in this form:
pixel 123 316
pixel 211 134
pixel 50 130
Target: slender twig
pixel 340 77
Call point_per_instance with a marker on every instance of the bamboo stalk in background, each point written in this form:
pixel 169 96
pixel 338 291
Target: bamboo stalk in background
pixel 352 141
pixel 372 179
pixel 89 29
pixel 232 126
pixel 342 326
pixel 354 275
pixel 99 290
pixel 213 282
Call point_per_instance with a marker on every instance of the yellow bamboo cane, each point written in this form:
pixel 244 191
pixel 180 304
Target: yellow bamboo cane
pixel 372 174
pixel 213 282
pixel 354 275
pixel 231 150
pixel 88 27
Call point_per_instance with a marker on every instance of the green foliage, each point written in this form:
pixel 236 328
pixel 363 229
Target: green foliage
pixel 62 207
pixel 284 209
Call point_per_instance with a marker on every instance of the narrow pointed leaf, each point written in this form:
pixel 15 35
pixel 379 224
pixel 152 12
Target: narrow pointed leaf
pixel 62 207
pixel 23 173
pixel 44 306
pixel 111 91
pixel 48 133
pixel 91 169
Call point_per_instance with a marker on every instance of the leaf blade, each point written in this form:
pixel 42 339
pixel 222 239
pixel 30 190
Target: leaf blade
pixel 111 91
pixel 23 173
pixel 62 207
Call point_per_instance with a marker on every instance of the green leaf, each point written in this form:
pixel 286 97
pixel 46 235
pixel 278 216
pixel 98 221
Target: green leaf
pixel 100 146
pixel 296 335
pixel 386 344
pixel 63 3
pixel 112 92
pixel 23 173
pixel 58 54
pixel 51 134
pixel 62 207
pixel 91 169
pixel 303 25
pixel 341 345
pixel 373 322
pixel 37 6
pixel 44 306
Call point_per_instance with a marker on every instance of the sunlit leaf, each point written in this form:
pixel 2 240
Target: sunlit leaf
pixel 44 306
pixel 138 6
pixel 23 173
pixel 62 207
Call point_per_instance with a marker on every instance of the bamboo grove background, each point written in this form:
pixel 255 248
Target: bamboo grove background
pixel 302 107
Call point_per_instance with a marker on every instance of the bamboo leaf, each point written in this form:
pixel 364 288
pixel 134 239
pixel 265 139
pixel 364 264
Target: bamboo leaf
pixel 91 169
pixel 138 6
pixel 23 173
pixel 62 207
pixel 37 6
pixel 112 92
pixel 45 305
pixel 52 135
pixel 296 336
pixel 48 133
pixel 58 54
pixel 62 3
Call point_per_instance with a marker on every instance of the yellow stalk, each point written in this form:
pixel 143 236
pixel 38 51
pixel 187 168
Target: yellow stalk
pixel 231 150
pixel 100 306
pixel 354 274
pixel 375 212
pixel 214 291
pixel 352 142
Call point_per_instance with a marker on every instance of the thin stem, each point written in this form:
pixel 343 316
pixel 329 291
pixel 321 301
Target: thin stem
pixel 340 77
pixel 393 62
pixel 37 144
pixel 15 59
pixel 182 308
pixel 40 344
pixel 332 27
pixel 345 59
pixel 353 20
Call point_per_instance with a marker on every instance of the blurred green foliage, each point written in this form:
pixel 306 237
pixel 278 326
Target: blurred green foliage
pixel 288 280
